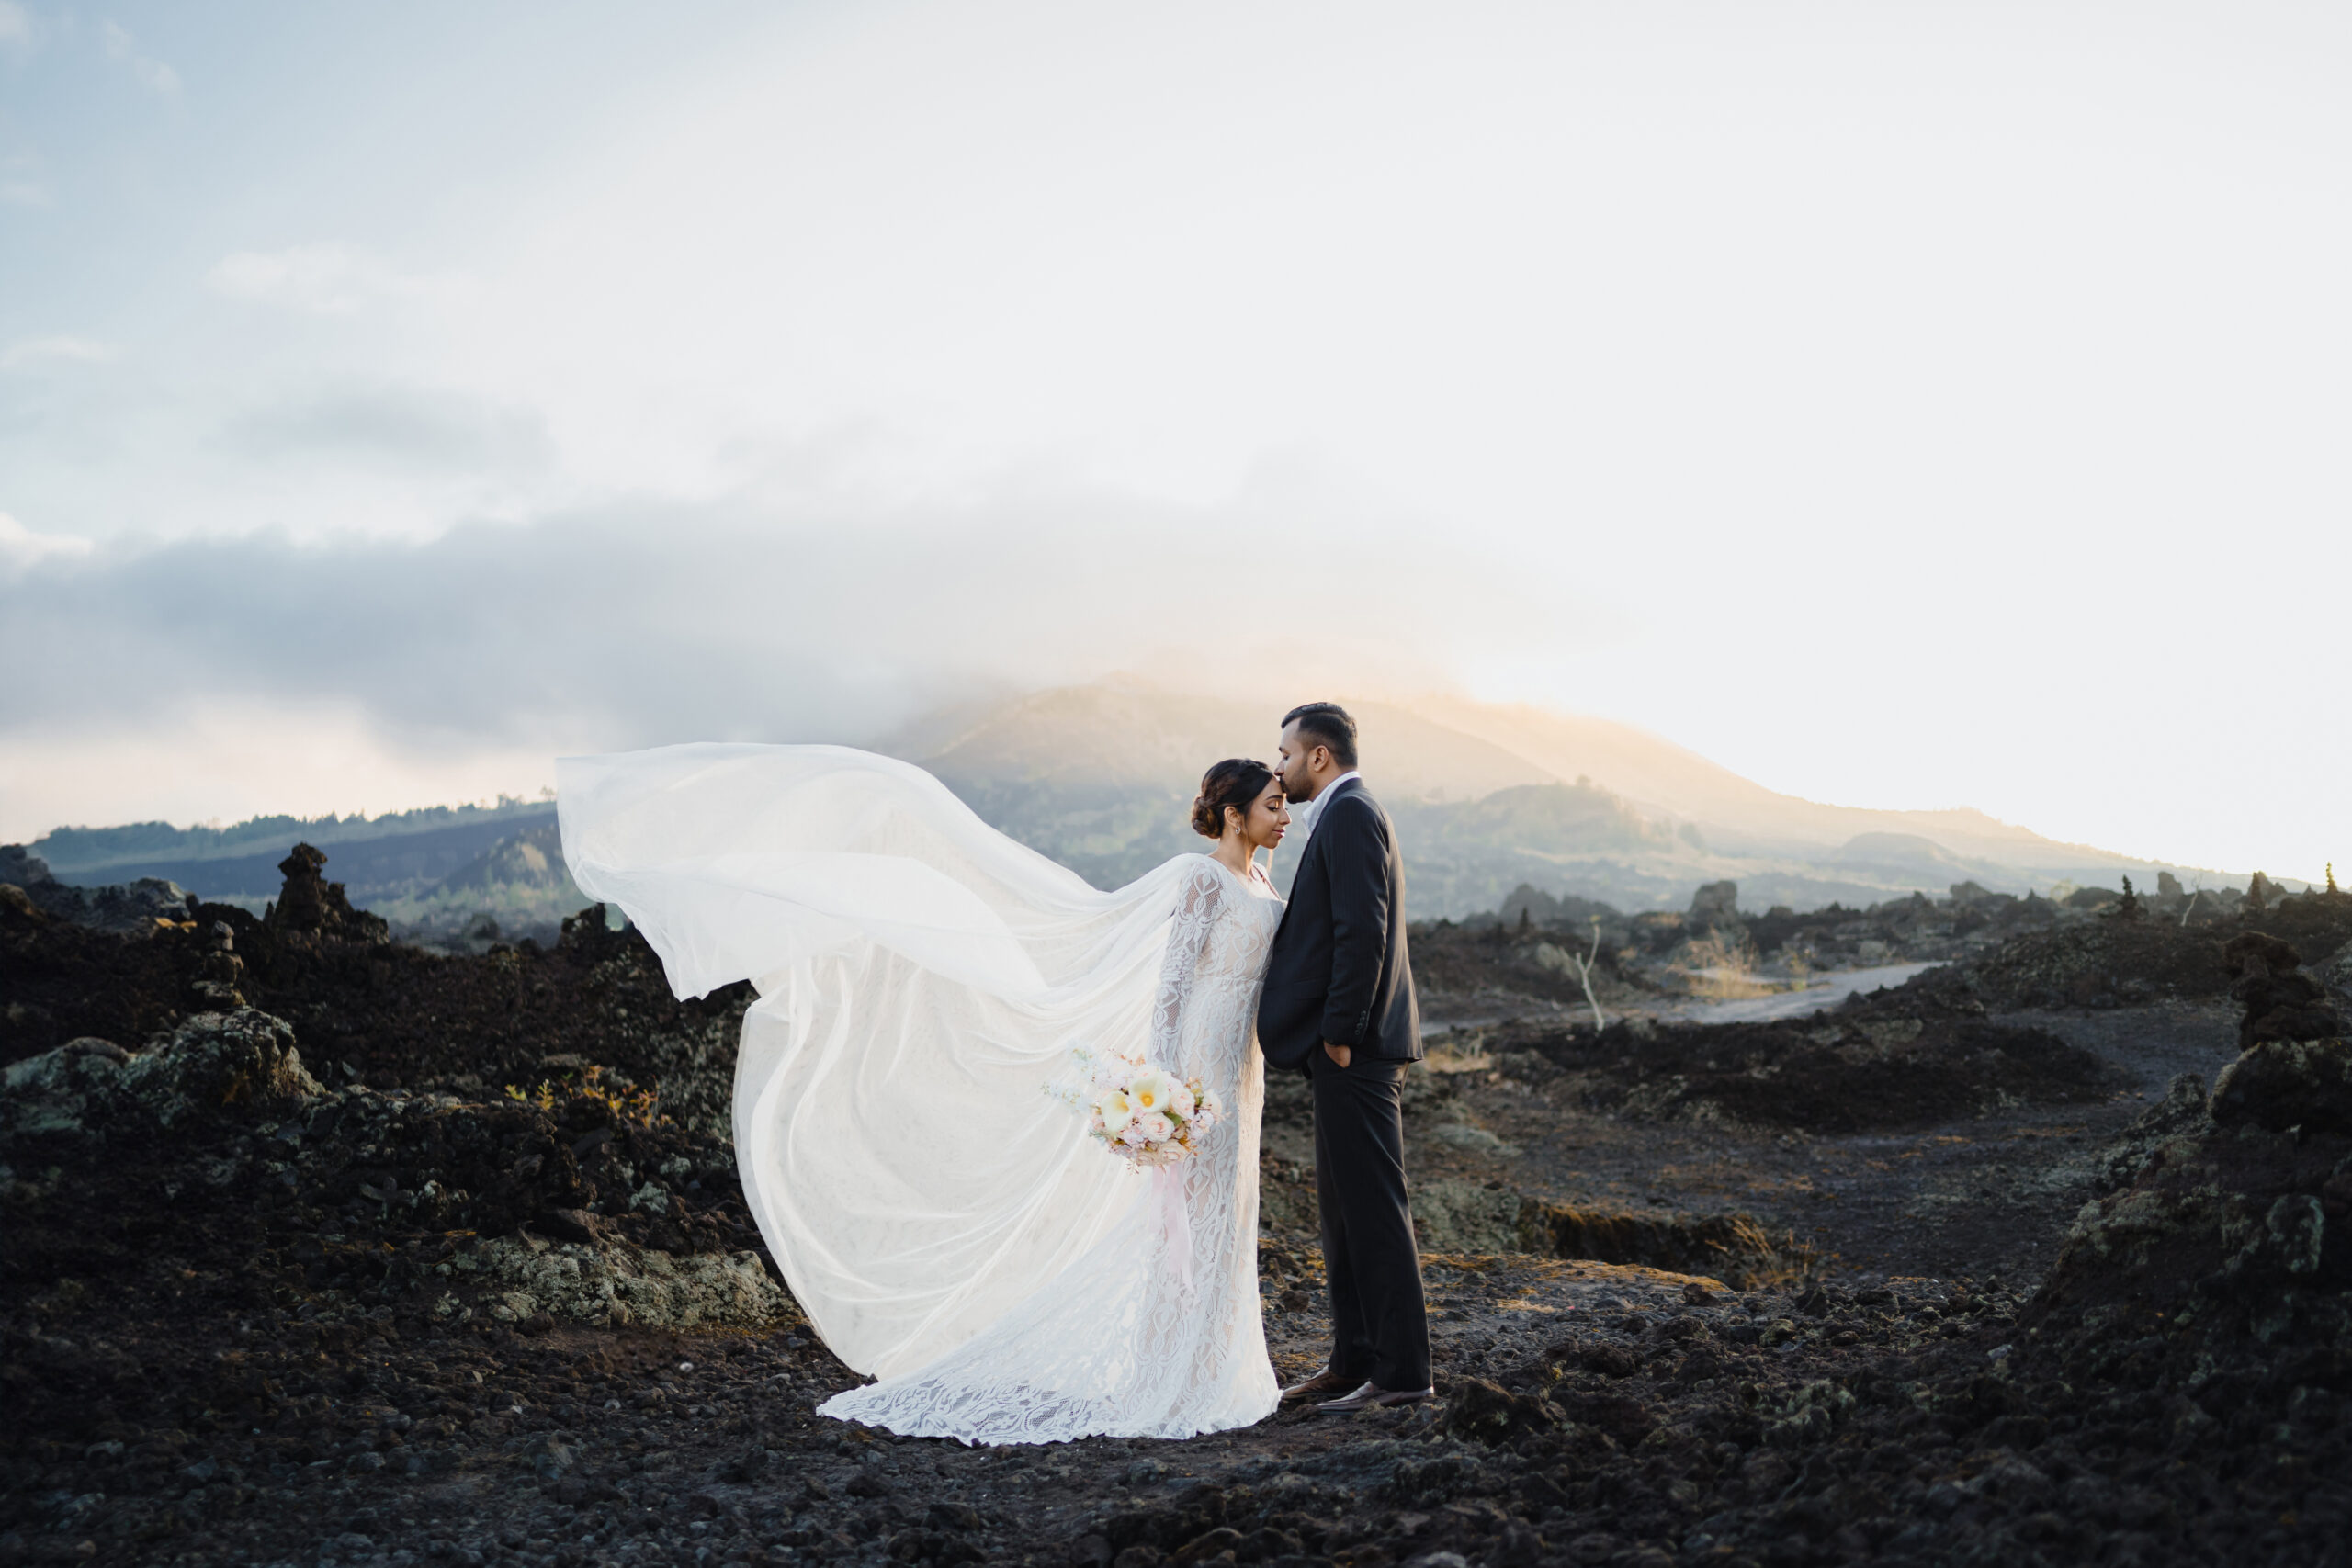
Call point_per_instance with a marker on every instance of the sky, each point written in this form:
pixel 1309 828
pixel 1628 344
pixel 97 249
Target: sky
pixel 1902 404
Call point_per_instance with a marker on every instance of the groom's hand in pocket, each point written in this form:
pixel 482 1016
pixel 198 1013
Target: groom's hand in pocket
pixel 1339 1054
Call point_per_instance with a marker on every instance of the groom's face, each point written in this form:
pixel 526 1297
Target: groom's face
pixel 1295 762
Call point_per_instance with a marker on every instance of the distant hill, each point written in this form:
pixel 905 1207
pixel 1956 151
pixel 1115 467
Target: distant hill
pixel 380 860
pixel 493 874
pixel 517 887
pixel 1738 815
pixel 1485 796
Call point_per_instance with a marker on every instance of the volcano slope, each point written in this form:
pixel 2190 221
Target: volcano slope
pixel 290 1278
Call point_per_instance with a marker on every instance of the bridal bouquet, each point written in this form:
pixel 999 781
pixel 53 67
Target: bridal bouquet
pixel 1143 1114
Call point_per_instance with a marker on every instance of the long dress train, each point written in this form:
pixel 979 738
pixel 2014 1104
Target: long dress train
pixel 922 978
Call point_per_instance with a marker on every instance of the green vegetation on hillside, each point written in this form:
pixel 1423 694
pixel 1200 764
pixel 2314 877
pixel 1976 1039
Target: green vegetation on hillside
pixel 75 851
pixel 519 887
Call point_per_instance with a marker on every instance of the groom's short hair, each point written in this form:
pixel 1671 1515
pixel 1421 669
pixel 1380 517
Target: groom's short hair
pixel 1328 723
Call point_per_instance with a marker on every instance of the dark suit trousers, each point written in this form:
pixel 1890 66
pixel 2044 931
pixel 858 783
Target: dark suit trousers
pixel 1380 1329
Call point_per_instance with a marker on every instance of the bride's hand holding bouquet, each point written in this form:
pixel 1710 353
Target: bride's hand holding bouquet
pixel 1145 1114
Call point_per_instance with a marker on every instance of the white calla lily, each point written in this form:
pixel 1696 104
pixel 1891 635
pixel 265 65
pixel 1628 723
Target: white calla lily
pixel 1117 1110
pixel 1152 1091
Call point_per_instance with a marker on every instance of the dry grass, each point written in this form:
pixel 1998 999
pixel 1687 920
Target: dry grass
pixel 1458 1055
pixel 1754 1260
pixel 1716 971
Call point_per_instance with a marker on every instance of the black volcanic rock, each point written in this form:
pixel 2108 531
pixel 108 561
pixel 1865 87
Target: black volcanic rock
pixel 378 1012
pixel 128 907
pixel 93 1090
pixel 1909 1058
pixel 1488 1413
pixel 1715 906
pixel 2279 1084
pixel 310 905
pixel 2182 1112
pixel 382 1311
pixel 2101 964
pixel 2281 1003
pixel 2223 1241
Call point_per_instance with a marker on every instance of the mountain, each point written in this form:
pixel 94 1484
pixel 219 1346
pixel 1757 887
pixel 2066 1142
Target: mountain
pixel 380 860
pixel 493 874
pixel 1485 796
pixel 517 887
pixel 1100 777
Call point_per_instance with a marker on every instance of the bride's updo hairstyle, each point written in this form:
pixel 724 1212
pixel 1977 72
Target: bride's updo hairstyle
pixel 1236 782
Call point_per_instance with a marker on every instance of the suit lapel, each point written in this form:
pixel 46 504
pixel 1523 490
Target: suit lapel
pixel 1292 902
pixel 1307 855
pixel 1322 807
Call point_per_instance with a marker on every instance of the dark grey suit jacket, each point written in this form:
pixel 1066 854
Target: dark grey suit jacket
pixel 1339 970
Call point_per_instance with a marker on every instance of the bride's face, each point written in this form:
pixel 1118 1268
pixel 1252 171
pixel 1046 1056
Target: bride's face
pixel 1268 818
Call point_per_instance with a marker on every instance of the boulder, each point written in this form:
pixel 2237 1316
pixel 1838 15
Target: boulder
pixel 307 905
pixel 130 907
pixel 60 1091
pixel 213 1061
pixel 2278 1084
pixel 220 971
pixel 2253 954
pixel 123 908
pixel 2335 975
pixel 2281 1003
pixel 1454 1216
pixel 1715 904
pixel 21 866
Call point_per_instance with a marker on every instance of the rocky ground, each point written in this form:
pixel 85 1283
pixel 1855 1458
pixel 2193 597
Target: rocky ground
pixel 2017 1264
pixel 2092 947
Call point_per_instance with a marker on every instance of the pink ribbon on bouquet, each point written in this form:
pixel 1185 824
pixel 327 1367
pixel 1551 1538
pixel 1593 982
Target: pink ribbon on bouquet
pixel 1175 1222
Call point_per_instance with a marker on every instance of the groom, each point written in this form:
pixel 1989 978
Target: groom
pixel 1339 1005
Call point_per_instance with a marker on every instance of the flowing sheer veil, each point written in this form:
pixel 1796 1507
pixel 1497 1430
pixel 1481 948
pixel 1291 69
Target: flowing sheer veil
pixel 921 977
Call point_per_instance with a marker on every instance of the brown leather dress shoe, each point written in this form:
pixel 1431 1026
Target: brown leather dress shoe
pixel 1370 1396
pixel 1323 1383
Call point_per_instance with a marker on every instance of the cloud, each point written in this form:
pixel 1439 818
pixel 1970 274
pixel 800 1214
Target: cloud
pixel 22 549
pixel 152 73
pixel 44 350
pixel 634 626
pixel 16 26
pixel 324 280
pixel 398 426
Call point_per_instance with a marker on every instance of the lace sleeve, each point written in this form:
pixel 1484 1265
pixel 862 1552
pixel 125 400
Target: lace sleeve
pixel 1198 897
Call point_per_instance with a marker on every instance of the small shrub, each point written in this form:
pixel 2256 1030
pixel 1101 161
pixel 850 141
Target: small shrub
pixel 639 1107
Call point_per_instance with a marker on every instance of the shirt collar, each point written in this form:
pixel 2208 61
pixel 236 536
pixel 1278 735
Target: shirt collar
pixel 1314 808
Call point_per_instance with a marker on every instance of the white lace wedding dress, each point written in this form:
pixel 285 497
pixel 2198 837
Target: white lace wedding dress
pixel 922 978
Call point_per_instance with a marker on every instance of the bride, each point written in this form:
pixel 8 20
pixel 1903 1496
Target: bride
pixel 948 1223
